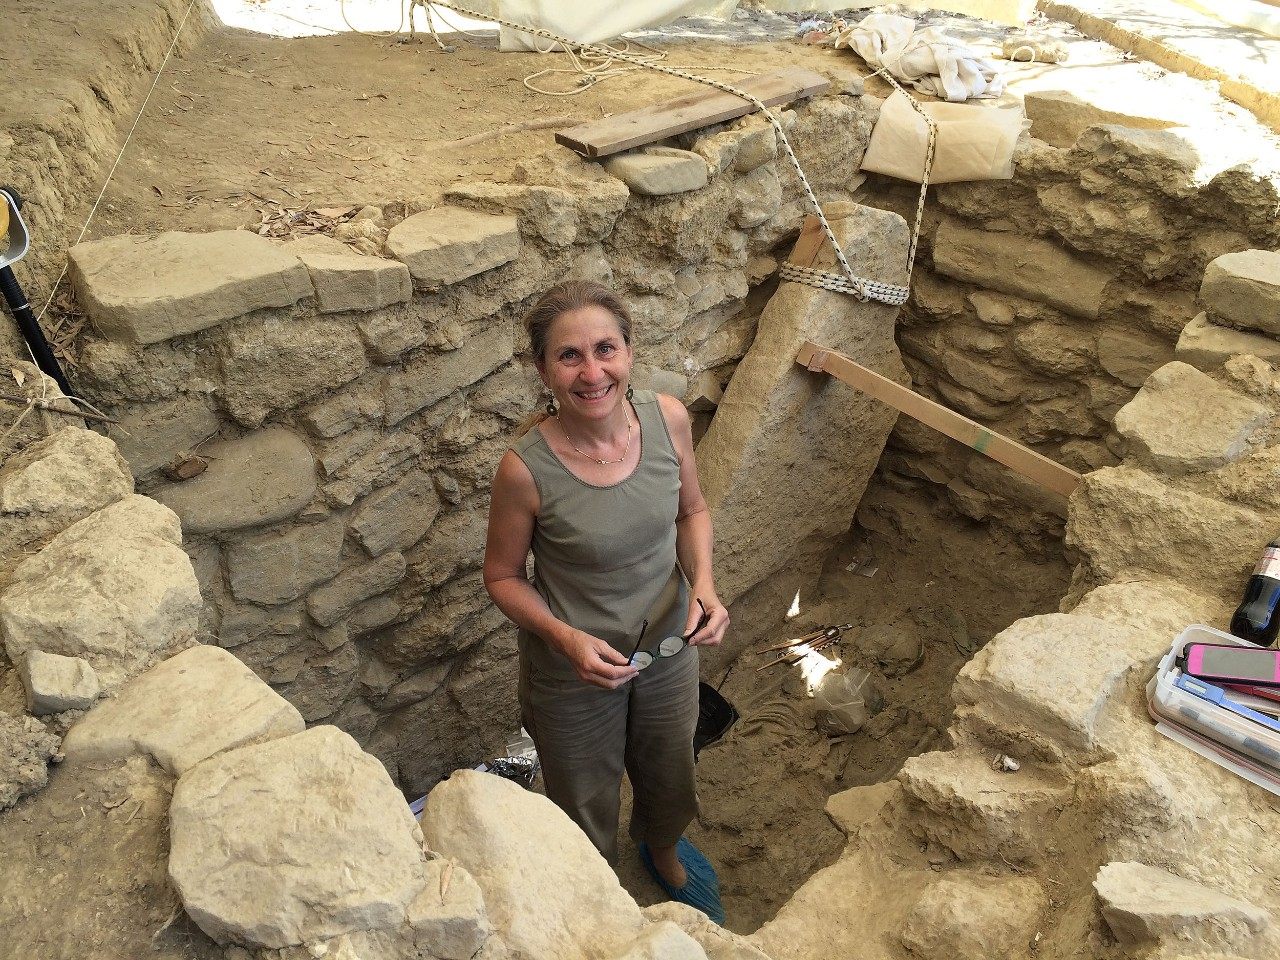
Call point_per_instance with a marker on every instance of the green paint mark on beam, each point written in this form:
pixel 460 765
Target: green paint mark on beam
pixel 981 443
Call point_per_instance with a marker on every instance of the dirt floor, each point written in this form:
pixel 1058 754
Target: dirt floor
pixel 942 587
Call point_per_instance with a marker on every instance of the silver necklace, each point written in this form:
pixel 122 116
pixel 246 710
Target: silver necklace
pixel 603 463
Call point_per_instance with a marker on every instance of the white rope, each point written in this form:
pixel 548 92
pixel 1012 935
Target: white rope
pixel 860 287
pixel 124 146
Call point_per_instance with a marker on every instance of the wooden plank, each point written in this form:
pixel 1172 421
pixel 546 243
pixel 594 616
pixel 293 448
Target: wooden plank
pixel 809 244
pixel 1020 459
pixel 600 138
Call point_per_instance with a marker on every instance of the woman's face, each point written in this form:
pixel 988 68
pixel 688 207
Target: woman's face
pixel 587 364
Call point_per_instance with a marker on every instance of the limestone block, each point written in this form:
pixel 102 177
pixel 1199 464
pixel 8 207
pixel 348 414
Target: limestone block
pixel 757 144
pixel 661 940
pixel 548 891
pixel 850 809
pixel 282 565
pixel 263 477
pixel 1058 349
pixel 373 614
pixel 331 603
pixel 1244 290
pixel 976 811
pixel 1130 357
pixel 426 379
pixel 1124 521
pixel 357 403
pixel 182 711
pixel 774 415
pixel 599 197
pixel 147 289
pixel 1206 345
pixel 154 435
pixel 1059 117
pixel 25 750
pixel 1142 904
pixel 316 243
pixel 448 918
pixel 1184 421
pixel 55 683
pixel 415 688
pixel 55 600
pixel 1024 266
pixel 549 212
pixel 646 377
pixel 348 281
pixel 449 244
pixel 284 361
pixel 335 454
pixel 984 379
pixel 56 481
pixel 1159 607
pixel 659 171
pixel 1059 418
pixel 991 309
pixel 758 197
pixel 389 333
pixel 1052 674
pixel 294 840
pixel 704 395
pixel 972 917
pixel 323 682
pixel 715 940
pixel 398 516
pixel 392 456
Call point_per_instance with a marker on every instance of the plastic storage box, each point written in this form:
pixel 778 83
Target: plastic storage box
pixel 1200 717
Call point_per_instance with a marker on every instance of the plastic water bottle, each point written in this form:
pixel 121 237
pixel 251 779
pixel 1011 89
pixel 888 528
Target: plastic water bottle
pixel 1257 619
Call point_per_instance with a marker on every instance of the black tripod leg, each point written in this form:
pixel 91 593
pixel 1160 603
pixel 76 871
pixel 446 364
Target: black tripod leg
pixel 31 331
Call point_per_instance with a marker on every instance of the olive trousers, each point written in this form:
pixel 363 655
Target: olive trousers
pixel 587 736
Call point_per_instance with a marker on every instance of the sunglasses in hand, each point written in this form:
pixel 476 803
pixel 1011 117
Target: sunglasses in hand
pixel 669 647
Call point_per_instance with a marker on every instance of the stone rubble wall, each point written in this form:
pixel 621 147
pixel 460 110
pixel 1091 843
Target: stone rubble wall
pixel 282 842
pixel 1040 305
pixel 339 415
pixel 1101 835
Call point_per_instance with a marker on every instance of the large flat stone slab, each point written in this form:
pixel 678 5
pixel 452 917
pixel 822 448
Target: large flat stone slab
pixel 49 485
pixel 1144 904
pixel 113 588
pixel 549 892
pixel 1207 345
pixel 659 171
pixel 1184 421
pixel 1127 522
pixel 1052 674
pixel 188 708
pixel 298 839
pixel 263 477
pixel 1244 289
pixel 148 289
pixel 1024 266
pixel 347 281
pixel 449 244
pixel 789 453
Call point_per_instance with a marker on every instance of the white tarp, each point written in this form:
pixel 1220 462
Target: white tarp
pixel 590 21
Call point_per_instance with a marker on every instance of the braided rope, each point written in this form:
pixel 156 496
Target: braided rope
pixel 859 287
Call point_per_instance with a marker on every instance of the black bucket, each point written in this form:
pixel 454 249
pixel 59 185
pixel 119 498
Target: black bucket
pixel 715 716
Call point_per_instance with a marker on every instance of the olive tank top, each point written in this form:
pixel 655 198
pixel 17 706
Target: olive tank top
pixel 604 557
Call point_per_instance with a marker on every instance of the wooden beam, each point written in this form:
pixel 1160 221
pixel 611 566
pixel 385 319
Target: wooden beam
pixel 809 244
pixel 600 138
pixel 1023 460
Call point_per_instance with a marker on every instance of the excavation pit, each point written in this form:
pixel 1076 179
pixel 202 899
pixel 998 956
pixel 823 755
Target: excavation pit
pixel 320 395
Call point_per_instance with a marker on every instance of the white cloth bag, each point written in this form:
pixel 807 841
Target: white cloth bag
pixel 974 142
pixel 588 21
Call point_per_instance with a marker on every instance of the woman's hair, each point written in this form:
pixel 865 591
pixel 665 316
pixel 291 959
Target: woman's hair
pixel 565 298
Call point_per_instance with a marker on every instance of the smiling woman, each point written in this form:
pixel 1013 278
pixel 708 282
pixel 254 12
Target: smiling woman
pixel 603 489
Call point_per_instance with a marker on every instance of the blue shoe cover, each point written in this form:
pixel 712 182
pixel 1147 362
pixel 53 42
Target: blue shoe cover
pixel 702 887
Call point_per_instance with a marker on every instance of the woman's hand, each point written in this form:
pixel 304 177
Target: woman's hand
pixel 717 620
pixel 596 662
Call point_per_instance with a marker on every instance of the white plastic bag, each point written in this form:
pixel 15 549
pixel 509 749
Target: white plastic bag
pixel 974 142
pixel 844 700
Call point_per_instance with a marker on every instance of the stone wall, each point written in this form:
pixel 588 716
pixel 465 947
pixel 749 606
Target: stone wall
pixel 338 415
pixel 1040 305
pixel 57 129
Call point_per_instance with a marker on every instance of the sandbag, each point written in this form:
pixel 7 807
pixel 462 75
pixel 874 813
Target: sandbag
pixel 588 21
pixel 974 142
pixel 844 700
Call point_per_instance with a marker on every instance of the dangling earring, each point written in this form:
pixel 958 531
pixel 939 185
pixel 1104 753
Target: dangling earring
pixel 630 392
pixel 551 405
